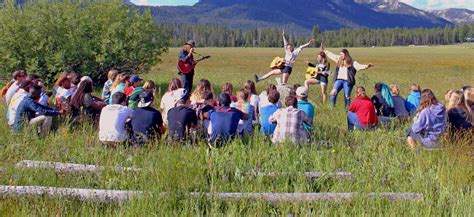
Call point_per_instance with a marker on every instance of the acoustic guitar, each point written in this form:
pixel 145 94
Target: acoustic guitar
pixel 311 73
pixel 278 63
pixel 185 68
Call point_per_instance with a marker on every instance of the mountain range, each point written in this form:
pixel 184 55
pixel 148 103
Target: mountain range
pixel 302 15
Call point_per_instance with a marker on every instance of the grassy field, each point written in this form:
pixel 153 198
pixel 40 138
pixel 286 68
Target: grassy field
pixel 379 161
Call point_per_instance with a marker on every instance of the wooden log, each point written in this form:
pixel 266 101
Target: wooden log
pixel 99 195
pixel 69 167
pixel 310 197
pixel 310 175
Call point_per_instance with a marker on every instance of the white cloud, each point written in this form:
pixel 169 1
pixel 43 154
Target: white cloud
pixel 441 4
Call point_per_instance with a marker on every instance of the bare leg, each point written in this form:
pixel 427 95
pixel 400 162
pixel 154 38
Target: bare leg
pixel 285 77
pixel 324 89
pixel 411 143
pixel 309 82
pixel 270 73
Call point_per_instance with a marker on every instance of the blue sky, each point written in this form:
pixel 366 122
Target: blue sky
pixel 422 4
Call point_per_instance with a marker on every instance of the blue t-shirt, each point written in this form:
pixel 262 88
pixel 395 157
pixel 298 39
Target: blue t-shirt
pixel 307 107
pixel 146 121
pixel 224 123
pixel 266 127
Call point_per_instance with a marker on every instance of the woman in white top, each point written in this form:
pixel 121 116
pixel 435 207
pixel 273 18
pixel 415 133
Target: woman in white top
pixel 344 76
pixel 175 90
pixel 290 57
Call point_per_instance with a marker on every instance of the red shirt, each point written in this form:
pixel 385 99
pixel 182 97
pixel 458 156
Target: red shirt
pixel 129 91
pixel 364 110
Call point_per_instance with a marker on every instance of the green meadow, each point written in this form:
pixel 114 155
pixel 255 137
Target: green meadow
pixel 379 160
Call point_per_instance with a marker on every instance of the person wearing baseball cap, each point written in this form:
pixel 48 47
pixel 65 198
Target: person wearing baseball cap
pixel 304 104
pixel 147 122
pixel 135 81
pixel 186 56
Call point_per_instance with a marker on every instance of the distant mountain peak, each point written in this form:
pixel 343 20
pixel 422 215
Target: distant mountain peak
pixel 458 16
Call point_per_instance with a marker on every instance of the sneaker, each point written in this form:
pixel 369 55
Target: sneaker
pixel 256 79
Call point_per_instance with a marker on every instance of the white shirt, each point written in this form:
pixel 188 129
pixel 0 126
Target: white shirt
pixel 10 92
pixel 13 105
pixel 63 93
pixel 342 74
pixel 255 101
pixel 169 101
pixel 112 123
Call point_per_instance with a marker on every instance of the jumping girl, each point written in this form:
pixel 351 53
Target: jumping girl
pixel 290 57
pixel 344 76
pixel 323 66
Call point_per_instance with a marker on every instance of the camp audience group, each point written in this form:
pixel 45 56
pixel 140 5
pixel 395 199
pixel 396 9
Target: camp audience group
pixel 125 112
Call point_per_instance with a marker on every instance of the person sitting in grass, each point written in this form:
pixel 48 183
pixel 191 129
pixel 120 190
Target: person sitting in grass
pixel 264 97
pixel 25 105
pixel 383 103
pixel 134 96
pixel 113 121
pixel 84 103
pixel 290 123
pixel 413 100
pixel 172 95
pixel 209 104
pixel 459 115
pixel 304 104
pixel 224 121
pixel 119 85
pixel 253 98
pixel 361 113
pixel 229 89
pixel 147 123
pixel 245 127
pixel 111 75
pixel 12 87
pixel 399 108
pixel 266 127
pixel 182 120
pixel 135 82
pixel 430 122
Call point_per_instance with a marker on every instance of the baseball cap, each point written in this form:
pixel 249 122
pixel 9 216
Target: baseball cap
pixel 146 98
pixel 302 92
pixel 135 78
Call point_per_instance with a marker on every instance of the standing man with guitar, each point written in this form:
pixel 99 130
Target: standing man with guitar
pixel 186 65
pixel 186 56
pixel 285 67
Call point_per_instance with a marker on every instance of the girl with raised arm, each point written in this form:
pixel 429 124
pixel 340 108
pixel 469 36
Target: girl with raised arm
pixel 344 76
pixel 290 57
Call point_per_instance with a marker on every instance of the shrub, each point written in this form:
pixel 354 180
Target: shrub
pixel 89 37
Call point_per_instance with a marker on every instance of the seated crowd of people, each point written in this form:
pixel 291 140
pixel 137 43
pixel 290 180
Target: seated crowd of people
pixel 126 113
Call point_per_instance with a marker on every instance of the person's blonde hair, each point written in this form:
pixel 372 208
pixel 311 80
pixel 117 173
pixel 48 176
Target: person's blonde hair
pixel 447 96
pixel 199 93
pixel 457 100
pixel 394 89
pixel 149 86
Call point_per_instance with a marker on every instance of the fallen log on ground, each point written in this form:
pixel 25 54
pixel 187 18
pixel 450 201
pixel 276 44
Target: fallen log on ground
pixel 310 175
pixel 100 195
pixel 69 167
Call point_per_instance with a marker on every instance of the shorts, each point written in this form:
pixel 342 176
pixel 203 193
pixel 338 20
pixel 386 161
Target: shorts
pixel 287 69
pixel 323 80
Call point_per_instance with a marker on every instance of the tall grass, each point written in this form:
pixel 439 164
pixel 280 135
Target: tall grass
pixel 379 160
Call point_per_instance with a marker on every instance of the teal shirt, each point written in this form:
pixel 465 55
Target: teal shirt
pixel 308 109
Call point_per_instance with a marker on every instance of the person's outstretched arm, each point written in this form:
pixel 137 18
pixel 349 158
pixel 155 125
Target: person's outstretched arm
pixel 358 66
pixel 285 42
